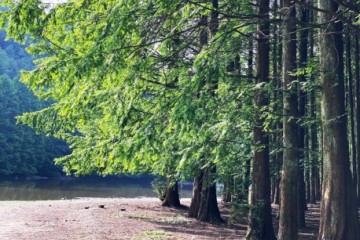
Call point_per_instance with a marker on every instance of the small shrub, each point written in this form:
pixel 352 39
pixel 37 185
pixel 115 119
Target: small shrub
pixel 238 210
pixel 159 187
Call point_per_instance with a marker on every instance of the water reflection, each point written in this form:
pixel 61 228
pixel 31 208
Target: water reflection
pixel 50 189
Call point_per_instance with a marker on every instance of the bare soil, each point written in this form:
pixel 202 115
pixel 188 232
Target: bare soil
pixel 119 218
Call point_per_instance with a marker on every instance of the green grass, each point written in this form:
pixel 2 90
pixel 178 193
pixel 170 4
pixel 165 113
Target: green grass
pixel 174 220
pixel 178 219
pixel 153 235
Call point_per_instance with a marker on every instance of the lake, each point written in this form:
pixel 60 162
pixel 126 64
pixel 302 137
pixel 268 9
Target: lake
pixel 69 188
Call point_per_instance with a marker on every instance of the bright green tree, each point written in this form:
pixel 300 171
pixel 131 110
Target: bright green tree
pixel 134 86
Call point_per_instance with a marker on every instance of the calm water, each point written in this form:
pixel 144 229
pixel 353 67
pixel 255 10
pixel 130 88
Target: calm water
pixel 49 189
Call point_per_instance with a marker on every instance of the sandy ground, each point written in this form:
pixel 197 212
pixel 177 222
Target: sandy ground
pixel 101 218
pixel 118 219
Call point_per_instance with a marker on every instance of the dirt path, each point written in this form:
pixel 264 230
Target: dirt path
pixel 117 219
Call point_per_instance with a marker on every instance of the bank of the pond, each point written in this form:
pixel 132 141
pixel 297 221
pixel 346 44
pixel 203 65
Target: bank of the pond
pixel 109 218
pixel 35 188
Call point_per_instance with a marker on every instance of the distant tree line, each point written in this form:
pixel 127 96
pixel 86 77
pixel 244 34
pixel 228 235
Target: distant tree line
pixel 22 152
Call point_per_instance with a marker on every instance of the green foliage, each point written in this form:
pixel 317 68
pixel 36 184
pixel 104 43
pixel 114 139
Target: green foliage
pixel 133 89
pixel 238 211
pixel 159 186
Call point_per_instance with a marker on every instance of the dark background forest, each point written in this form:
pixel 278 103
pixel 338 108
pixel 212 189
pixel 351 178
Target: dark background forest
pixel 22 151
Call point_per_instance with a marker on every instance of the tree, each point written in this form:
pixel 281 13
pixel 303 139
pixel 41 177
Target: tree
pixel 260 223
pixel 357 90
pixel 350 104
pixel 204 205
pixel 339 218
pixel 302 100
pixel 289 176
pixel 121 114
pixel 171 196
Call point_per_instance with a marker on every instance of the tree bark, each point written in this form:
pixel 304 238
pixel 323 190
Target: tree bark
pixel 338 211
pixel 247 173
pixel 314 161
pixel 172 198
pixel 196 196
pixel 203 204
pixel 289 177
pixel 307 168
pixel 228 187
pixel 277 108
pixel 302 100
pixel 208 208
pixel 357 79
pixel 351 105
pixel 260 222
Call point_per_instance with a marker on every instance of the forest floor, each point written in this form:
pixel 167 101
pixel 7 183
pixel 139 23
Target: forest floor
pixel 120 218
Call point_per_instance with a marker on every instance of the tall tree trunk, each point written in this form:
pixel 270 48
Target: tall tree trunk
pixel 277 98
pixel 289 177
pixel 196 196
pixel 228 189
pixel 318 182
pixel 198 182
pixel 307 167
pixel 208 208
pixel 260 222
pixel 357 79
pixel 303 54
pixel 204 205
pixel 247 173
pixel 313 167
pixel 314 161
pixel 338 212
pixel 351 105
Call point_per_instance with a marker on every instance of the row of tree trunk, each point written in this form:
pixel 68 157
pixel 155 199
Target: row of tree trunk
pixel 339 218
pixel 306 176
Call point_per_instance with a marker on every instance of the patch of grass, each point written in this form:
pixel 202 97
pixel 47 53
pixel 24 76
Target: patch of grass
pixel 178 219
pixel 174 220
pixel 153 235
